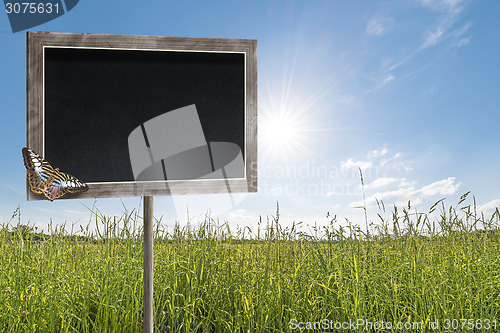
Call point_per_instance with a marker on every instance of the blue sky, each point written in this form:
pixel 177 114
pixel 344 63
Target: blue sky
pixel 406 90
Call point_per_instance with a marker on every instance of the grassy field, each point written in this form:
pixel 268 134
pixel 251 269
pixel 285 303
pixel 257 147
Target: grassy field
pixel 409 269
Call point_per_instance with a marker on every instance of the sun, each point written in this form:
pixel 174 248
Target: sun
pixel 280 131
pixel 292 111
pixel 283 133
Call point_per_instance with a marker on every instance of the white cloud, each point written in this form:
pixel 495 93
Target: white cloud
pixel 443 187
pixel 404 182
pixel 489 208
pixel 459 34
pixel 447 11
pixel 396 163
pixel 463 29
pixel 388 79
pixel 378 26
pixel 437 35
pixel 351 164
pixel 401 196
pixel 381 182
pixel 379 158
pixel 463 42
pixel 242 217
pixel 402 62
pixel 398 197
pixel 381 83
pixel 377 153
pixel 385 181
pixel 433 37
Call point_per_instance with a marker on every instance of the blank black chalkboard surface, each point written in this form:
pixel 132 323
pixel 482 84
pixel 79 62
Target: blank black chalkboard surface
pixel 144 115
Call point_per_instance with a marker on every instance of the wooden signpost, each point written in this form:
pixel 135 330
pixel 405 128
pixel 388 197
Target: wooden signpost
pixel 144 116
pixel 148 264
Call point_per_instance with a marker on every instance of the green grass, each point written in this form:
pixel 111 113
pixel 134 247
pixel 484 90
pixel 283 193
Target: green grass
pixel 410 267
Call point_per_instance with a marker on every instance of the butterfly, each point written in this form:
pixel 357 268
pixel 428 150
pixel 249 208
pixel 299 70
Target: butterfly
pixel 44 179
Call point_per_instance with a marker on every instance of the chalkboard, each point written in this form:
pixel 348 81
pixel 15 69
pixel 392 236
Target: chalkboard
pixel 144 115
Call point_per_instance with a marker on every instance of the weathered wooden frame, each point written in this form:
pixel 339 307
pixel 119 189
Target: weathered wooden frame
pixel 37 41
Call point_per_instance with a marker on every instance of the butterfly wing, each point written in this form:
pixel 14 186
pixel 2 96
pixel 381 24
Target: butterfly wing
pixel 69 183
pixel 39 170
pixel 36 181
pixel 53 190
pixel 42 178
pixel 63 183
